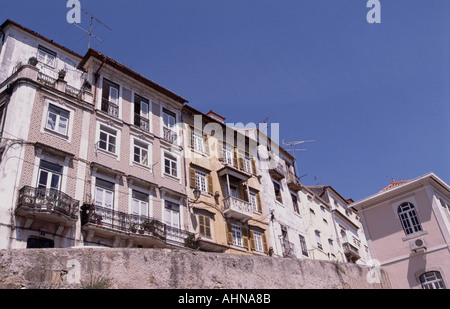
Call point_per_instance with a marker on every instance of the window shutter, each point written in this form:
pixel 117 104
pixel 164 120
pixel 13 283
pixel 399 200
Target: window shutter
pixel 206 145
pixel 207 227
pixel 245 238
pixel 192 178
pixel 201 224
pixel 235 158
pixel 210 184
pixel 220 151
pixel 252 240
pixel 266 249
pixel 229 234
pixel 190 137
pixel 245 191
pixel 258 202
pixel 253 162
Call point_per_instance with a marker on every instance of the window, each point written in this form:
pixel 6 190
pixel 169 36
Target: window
pixel 141 113
pixel 110 98
pixel 57 120
pixel 255 201
pixel 259 244
pixel 104 193
pixel 204 224
pixel 2 109
pixel 170 165
pixel 201 181
pixel 197 141
pixel 228 154
pixel 46 56
pixel 303 245
pixel 330 244
pixel 318 240
pixel 140 153
pixel 172 214
pixel 237 235
pixel 247 164
pixel 295 203
pixel 409 219
pixel 277 189
pixel 108 138
pixel 169 119
pixel 49 175
pixel 432 280
pixel 139 205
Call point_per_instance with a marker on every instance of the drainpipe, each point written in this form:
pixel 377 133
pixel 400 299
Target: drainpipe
pixel 8 97
pixel 3 40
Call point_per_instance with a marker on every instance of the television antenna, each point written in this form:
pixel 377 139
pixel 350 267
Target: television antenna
pixel 91 27
pixel 293 149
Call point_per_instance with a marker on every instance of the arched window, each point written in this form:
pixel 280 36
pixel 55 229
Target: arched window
pixel 409 218
pixel 432 280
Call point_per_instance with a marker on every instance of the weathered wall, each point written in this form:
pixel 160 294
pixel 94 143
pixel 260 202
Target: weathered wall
pixel 173 269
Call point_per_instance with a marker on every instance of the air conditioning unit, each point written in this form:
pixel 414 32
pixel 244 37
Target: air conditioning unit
pixel 417 244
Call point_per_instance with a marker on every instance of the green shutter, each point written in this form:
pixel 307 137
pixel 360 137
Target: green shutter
pixel 229 234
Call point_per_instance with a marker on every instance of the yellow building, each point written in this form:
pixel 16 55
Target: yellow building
pixel 225 208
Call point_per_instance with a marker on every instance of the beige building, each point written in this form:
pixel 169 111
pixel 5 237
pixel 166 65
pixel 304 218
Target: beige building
pixel 407 226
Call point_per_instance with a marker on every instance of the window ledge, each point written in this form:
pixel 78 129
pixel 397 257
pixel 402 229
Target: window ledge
pixel 142 166
pixel 414 235
pixel 56 134
pixel 107 153
pixel 236 247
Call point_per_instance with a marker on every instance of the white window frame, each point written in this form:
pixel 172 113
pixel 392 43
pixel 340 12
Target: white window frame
pixel 141 204
pixel 50 174
pixel 176 161
pixel 253 200
pixel 228 155
pixel 259 245
pixel 238 239
pixel 201 179
pixel 142 146
pixel 432 280
pixel 58 119
pixel 148 102
pixel 409 218
pixel 46 56
pixel 169 212
pixel 197 140
pixel 102 202
pixel 109 134
pixel 248 164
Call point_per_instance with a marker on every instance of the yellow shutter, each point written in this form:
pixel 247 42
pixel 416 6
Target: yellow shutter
pixel 253 162
pixel 210 184
pixel 252 240
pixel 207 227
pixel 192 178
pixel 229 234
pixel 201 224
pixel 245 192
pixel 235 158
pixel 264 239
pixel 258 201
pixel 245 238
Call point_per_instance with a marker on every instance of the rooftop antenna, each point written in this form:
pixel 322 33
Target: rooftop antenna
pixel 91 27
pixel 294 143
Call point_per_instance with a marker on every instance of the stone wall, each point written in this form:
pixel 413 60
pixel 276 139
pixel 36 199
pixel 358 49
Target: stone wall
pixel 173 269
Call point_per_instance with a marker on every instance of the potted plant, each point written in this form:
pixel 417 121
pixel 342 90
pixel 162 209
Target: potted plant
pixel 62 74
pixel 147 225
pixel 33 61
pixel 133 227
pixel 98 219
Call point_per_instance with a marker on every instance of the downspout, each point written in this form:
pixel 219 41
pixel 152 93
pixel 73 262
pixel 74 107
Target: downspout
pixel 3 39
pixel 8 97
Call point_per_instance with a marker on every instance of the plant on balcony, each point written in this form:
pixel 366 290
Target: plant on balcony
pixel 148 225
pixel 62 74
pixel 33 61
pixel 98 219
pixel 133 227
pixel 190 241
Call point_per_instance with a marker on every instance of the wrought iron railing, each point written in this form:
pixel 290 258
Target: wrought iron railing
pixel 142 122
pixel 48 200
pixel 129 223
pixel 110 108
pixel 169 135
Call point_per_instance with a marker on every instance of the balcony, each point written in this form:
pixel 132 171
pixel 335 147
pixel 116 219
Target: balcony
pixel 288 249
pixel 169 135
pixel 47 205
pixel 293 182
pixel 110 108
pixel 143 230
pixel 351 252
pixel 142 122
pixel 277 172
pixel 237 209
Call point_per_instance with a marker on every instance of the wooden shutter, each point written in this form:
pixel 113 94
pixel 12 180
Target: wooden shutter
pixel 253 163
pixel 201 224
pixel 258 202
pixel 245 192
pixel 235 158
pixel 252 240
pixel 206 145
pixel 190 137
pixel 192 178
pixel 210 184
pixel 245 238
pixel 205 226
pixel 220 151
pixel 264 239
pixel 229 234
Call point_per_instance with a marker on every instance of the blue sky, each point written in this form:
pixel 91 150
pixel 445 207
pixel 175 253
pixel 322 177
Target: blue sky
pixel 375 97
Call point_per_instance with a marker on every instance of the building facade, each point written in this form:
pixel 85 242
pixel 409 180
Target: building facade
pixel 407 226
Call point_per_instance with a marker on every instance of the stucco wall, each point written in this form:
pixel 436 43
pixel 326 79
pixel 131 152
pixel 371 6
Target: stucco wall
pixel 173 269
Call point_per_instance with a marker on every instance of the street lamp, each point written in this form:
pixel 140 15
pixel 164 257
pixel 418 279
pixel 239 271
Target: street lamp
pixel 197 193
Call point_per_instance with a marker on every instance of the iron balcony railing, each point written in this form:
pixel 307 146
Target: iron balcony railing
pixel 142 122
pixel 110 108
pixel 48 200
pixel 130 223
pixel 169 135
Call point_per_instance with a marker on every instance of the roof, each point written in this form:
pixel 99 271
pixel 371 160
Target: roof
pixel 10 22
pixel 394 184
pixel 122 68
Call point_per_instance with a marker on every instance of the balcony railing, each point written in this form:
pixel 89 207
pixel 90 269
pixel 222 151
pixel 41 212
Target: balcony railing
pixel 35 200
pixel 237 208
pixel 169 135
pixel 46 80
pixel 133 224
pixel 142 122
pixel 110 108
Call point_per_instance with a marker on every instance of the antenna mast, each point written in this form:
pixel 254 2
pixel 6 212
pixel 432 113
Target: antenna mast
pixel 89 32
pixel 294 143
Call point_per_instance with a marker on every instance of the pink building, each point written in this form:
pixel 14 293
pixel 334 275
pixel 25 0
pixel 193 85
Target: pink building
pixel 407 226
